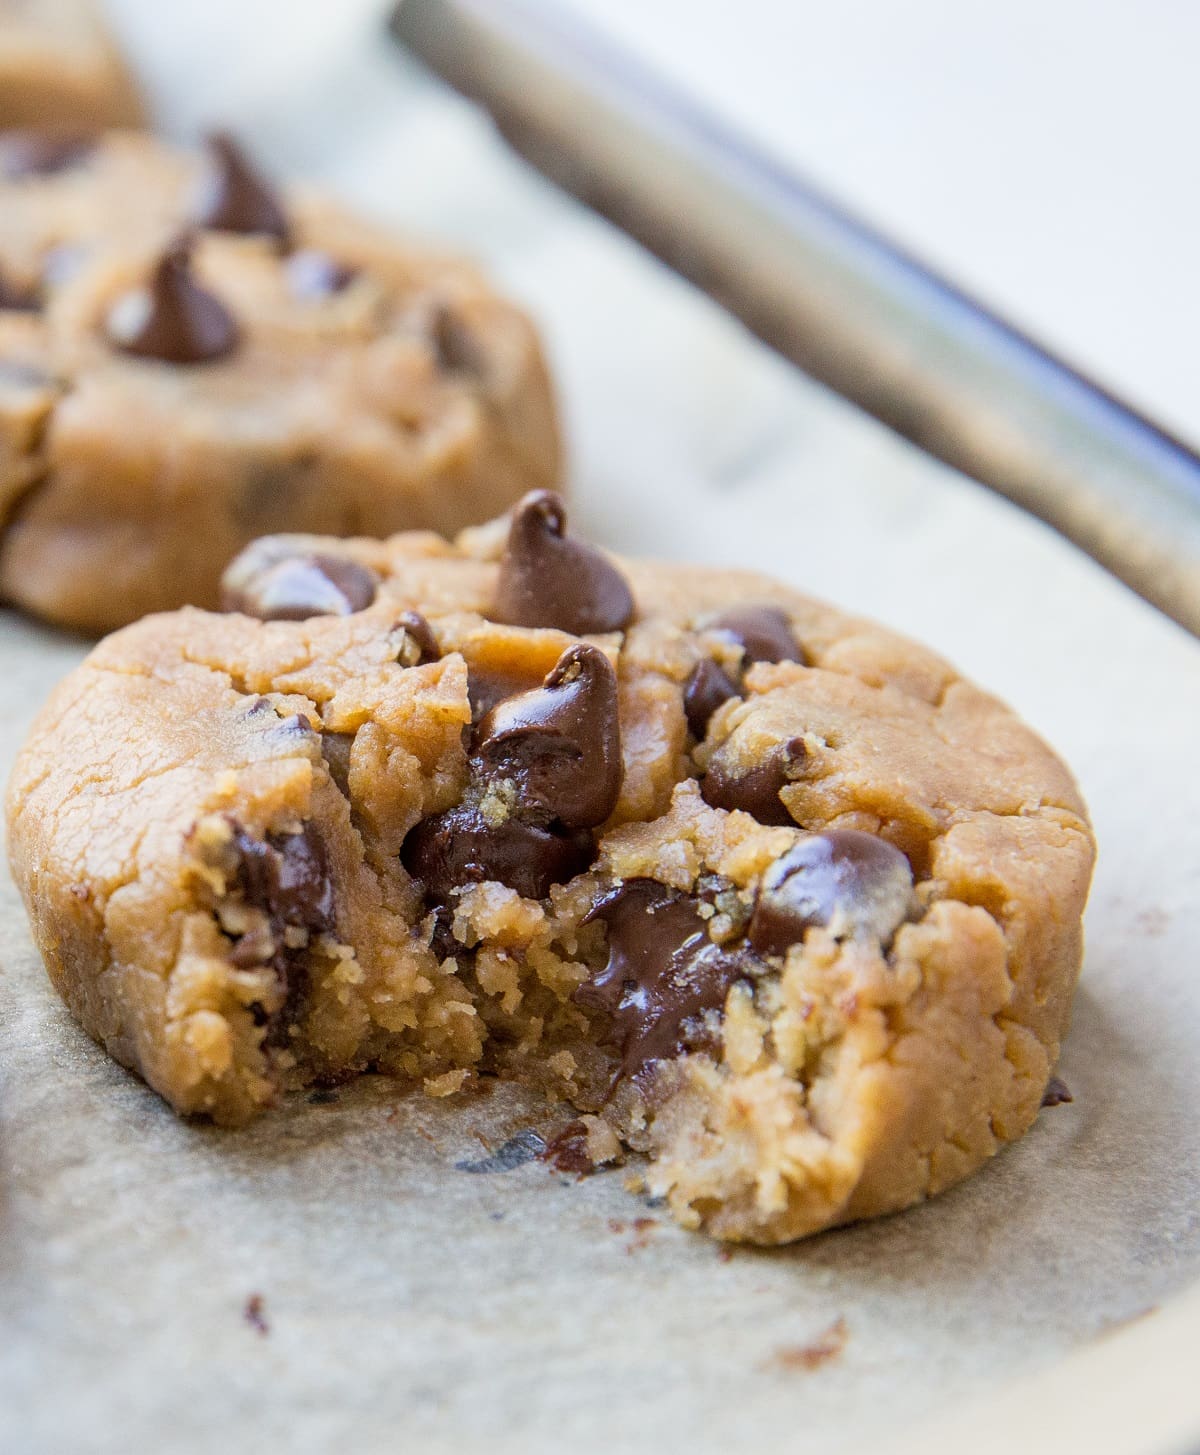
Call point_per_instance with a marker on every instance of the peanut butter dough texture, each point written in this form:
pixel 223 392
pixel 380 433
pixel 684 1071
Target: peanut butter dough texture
pixel 765 892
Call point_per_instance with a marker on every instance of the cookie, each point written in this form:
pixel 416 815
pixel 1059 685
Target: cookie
pixel 190 359
pixel 58 67
pixel 768 893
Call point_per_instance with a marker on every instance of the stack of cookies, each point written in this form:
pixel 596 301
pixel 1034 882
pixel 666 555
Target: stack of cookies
pixel 405 777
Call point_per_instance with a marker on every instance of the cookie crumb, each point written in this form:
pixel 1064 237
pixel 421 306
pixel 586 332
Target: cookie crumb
pixel 446 1084
pixel 255 1316
pixel 826 1347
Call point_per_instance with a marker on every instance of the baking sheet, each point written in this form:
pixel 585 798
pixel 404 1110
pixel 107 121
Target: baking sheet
pixel 331 1274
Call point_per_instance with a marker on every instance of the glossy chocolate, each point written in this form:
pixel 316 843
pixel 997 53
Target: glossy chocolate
pixel 298 587
pixel 854 884
pixel 763 633
pixel 549 580
pixel 174 320
pixel 287 876
pixel 422 644
pixel 756 790
pixel 561 742
pixel 462 847
pixel 663 972
pixel 707 689
pixel 234 197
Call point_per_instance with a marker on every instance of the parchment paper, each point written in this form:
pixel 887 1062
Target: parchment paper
pixel 329 1278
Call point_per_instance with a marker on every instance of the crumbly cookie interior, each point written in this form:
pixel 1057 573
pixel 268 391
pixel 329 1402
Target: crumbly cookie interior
pixel 762 891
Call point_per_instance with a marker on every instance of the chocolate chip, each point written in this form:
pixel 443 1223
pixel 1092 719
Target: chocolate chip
pixel 488 686
pixel 663 972
pixel 1056 1093
pixel 707 689
pixel 34 153
pixel 763 633
pixel 567 1150
pixel 545 767
pixel 422 646
pixel 756 790
pixel 549 580
pixel 561 742
pixel 458 348
pixel 286 876
pixel 313 275
pixel 855 884
pixel 295 588
pixel 461 846
pixel 234 198
pixel 174 320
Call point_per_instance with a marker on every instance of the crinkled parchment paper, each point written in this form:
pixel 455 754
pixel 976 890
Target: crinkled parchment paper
pixel 330 1277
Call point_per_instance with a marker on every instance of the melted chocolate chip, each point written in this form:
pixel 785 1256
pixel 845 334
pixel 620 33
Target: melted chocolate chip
pixel 567 1150
pixel 424 645
pixel 545 767
pixel 298 587
pixel 461 847
pixel 234 198
pixel 855 884
pixel 33 153
pixel 756 791
pixel 548 580
pixel 763 633
pixel 314 275
pixel 486 687
pixel 707 689
pixel 174 320
pixel 286 876
pixel 561 742
pixel 663 972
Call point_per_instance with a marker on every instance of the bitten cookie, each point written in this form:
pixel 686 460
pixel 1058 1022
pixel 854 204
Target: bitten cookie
pixel 59 67
pixel 766 892
pixel 189 359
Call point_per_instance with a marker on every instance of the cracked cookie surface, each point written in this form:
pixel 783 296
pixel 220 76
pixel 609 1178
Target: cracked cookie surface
pixel 807 937
pixel 190 359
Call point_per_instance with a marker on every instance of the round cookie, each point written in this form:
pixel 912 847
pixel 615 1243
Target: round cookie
pixel 189 360
pixel 766 892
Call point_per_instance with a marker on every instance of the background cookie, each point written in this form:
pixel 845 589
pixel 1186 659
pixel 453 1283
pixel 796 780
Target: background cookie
pixel 765 891
pixel 189 359
pixel 59 68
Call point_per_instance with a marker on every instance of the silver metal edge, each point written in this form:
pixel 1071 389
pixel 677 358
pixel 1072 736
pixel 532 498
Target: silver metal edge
pixel 827 292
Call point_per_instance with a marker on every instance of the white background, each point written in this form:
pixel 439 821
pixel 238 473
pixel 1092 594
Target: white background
pixel 1041 152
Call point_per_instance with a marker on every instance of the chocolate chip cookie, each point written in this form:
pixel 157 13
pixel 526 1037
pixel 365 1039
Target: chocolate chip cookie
pixel 59 67
pixel 190 358
pixel 767 892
